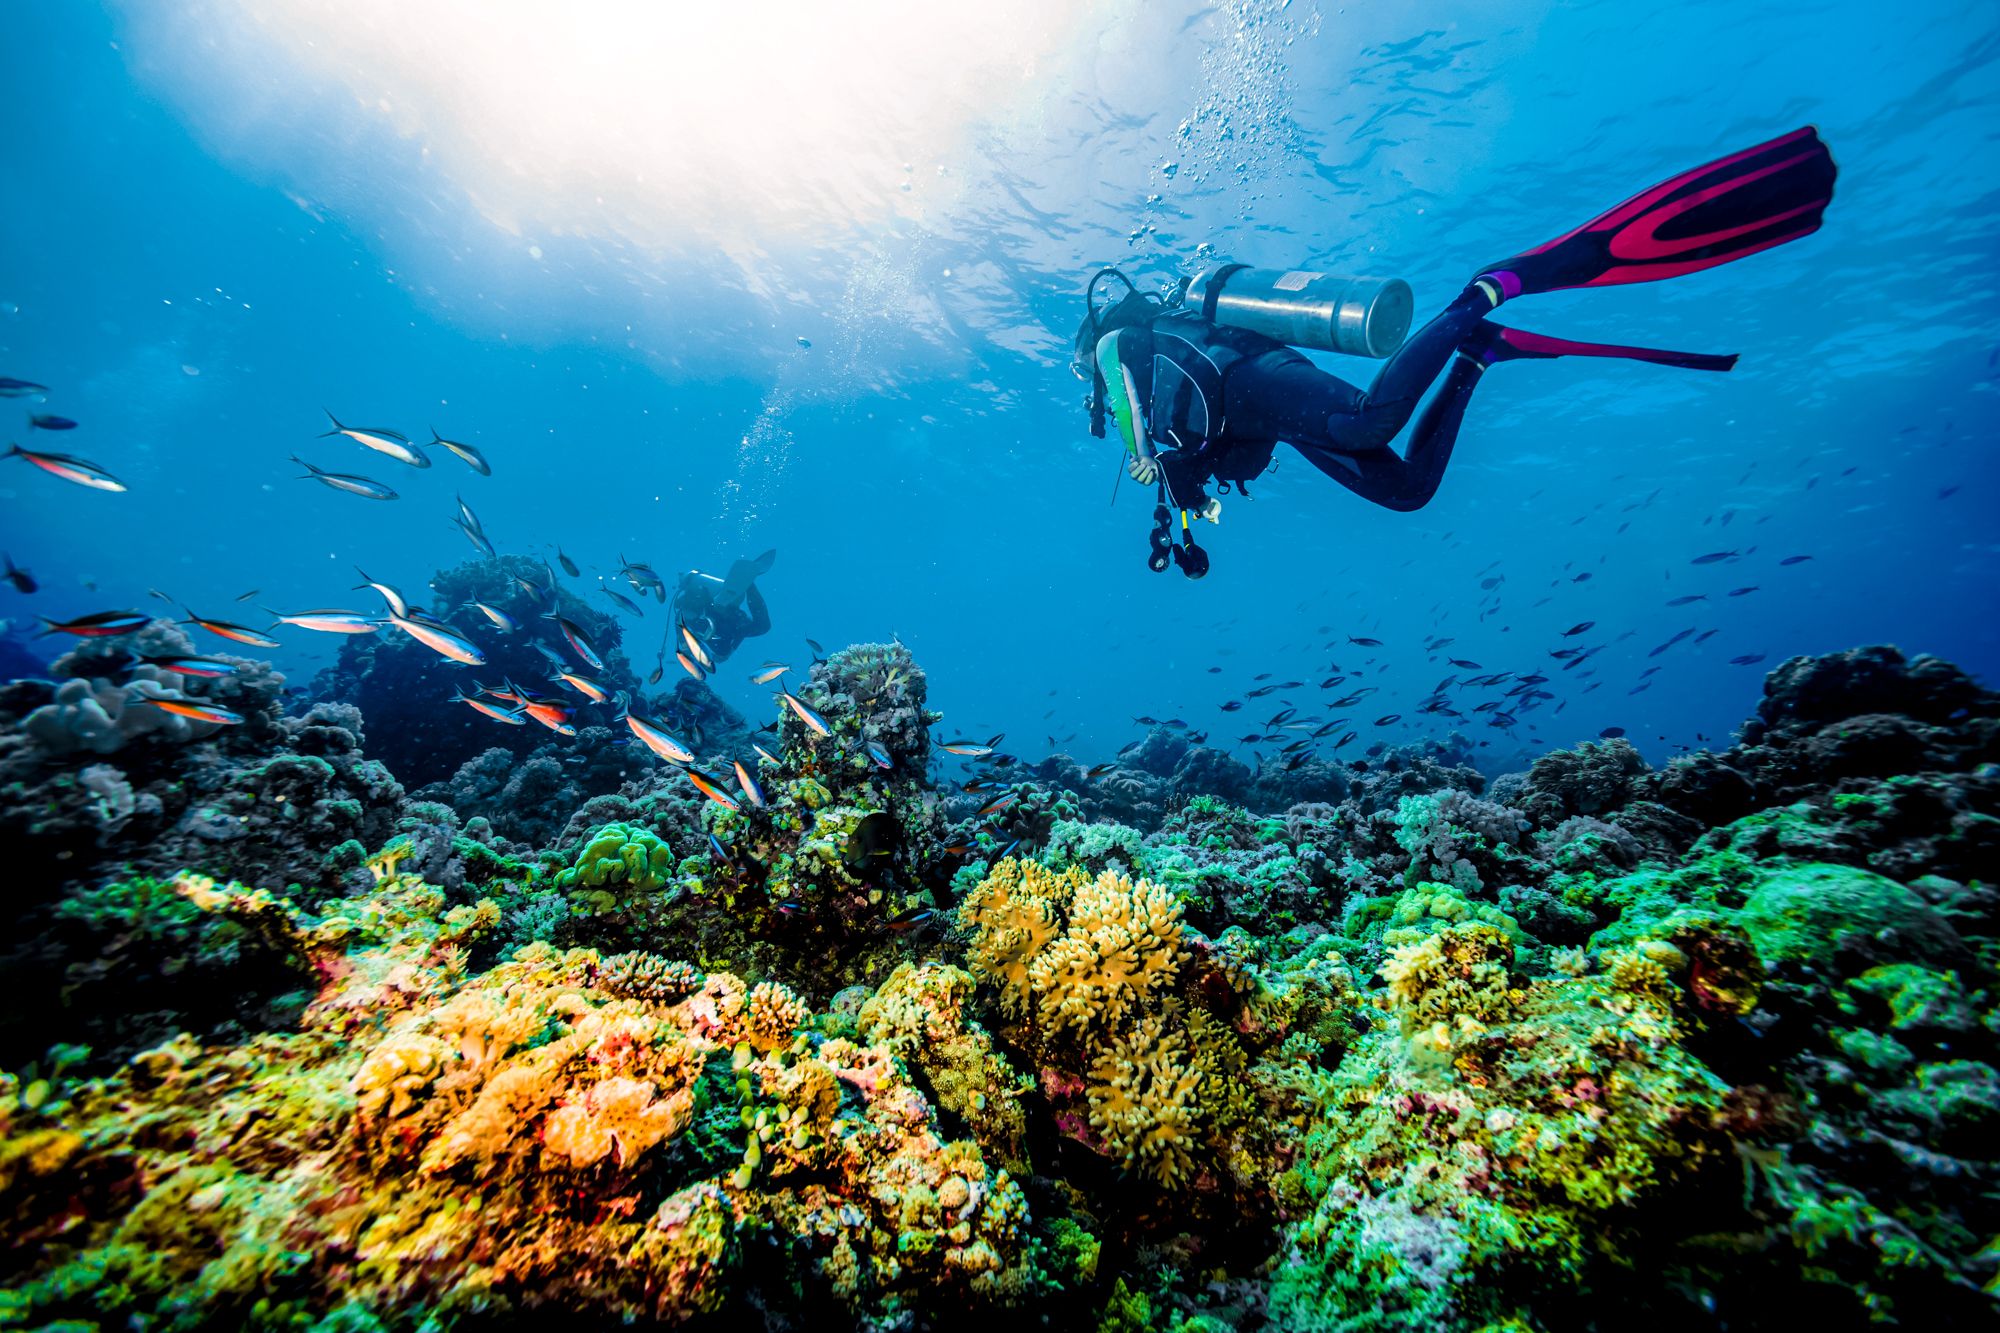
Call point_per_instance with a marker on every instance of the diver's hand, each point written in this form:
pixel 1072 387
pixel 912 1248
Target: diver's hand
pixel 1212 511
pixel 1145 471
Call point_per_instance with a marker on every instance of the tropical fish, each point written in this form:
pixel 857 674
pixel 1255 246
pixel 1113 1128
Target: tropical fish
pixel 621 601
pixel 1611 733
pixel 181 664
pixel 880 754
pixel 513 717
pixel 13 388
pixel 551 713
pixel 765 754
pixel 710 788
pixel 465 453
pixel 996 805
pixel 569 565
pixel 689 665
pixel 69 468
pixel 1364 643
pixel 441 639
pixel 1231 706
pixel 1670 643
pixel 696 648
pixel 1795 559
pixel 23 581
pixel 1388 720
pixel 240 633
pixel 770 672
pixel 1464 664
pixel 395 599
pixel 659 740
pixel 1580 627
pixel 246 596
pixel 659 670
pixel 578 640
pixel 910 919
pixel 497 616
pixel 49 421
pixel 477 537
pixel 1743 592
pixel 1747 659
pixel 751 791
pixel 642 578
pixel 98 624
pixel 1689 599
pixel 200 712
pixel 1715 557
pixel 329 622
pixel 806 715
pixel 584 685
pixel 392 443
pixel 343 481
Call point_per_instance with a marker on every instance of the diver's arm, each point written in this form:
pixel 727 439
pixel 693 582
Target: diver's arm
pixel 760 615
pixel 1121 395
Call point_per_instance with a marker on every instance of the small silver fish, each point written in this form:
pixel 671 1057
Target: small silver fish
pixel 465 453
pixel 344 481
pixel 388 442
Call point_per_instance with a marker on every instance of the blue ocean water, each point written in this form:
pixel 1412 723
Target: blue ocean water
pixel 598 248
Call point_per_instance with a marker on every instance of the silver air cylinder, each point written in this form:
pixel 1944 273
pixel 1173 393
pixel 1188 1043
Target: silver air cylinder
pixel 1355 316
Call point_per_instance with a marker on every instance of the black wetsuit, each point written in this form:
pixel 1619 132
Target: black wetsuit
pixel 1218 400
pixel 724 628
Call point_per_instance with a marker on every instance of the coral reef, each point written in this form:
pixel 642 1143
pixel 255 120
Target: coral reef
pixel 406 688
pixel 1361 1045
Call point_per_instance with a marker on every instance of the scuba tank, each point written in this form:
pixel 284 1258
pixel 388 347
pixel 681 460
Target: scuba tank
pixel 1324 311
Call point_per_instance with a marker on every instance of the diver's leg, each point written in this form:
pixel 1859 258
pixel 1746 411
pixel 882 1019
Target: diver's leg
pixel 1393 397
pixel 1408 482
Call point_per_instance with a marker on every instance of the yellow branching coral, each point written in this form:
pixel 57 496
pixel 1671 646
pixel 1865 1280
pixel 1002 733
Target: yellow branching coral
pixel 1015 913
pixel 1115 950
pixel 1142 1102
pixel 1122 948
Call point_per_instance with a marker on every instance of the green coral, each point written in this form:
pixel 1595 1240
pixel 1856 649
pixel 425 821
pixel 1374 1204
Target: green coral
pixel 1805 914
pixel 616 861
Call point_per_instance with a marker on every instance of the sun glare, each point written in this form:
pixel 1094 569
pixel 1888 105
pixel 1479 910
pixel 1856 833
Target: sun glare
pixel 672 125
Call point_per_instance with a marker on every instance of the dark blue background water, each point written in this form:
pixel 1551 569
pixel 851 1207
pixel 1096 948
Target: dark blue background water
pixel 592 253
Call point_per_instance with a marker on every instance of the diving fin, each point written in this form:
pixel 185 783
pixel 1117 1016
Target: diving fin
pixel 1733 207
pixel 1504 344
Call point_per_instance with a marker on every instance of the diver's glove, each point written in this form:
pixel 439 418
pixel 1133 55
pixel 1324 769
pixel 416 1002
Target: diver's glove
pixel 1144 470
pixel 1211 510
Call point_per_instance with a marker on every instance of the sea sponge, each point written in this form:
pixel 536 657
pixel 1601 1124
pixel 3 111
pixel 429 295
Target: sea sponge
pixel 919 1013
pixel 621 1116
pixel 1451 984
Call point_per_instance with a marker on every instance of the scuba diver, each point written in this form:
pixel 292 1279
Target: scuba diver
pixel 725 611
pixel 1205 385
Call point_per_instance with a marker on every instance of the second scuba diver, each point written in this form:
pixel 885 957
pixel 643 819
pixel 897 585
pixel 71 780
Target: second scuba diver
pixel 1206 387
pixel 725 611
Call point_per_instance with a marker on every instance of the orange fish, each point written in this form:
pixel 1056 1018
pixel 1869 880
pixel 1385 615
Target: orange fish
pixel 222 717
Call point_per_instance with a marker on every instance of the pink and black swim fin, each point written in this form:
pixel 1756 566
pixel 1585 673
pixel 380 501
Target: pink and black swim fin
pixel 1504 344
pixel 1743 203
